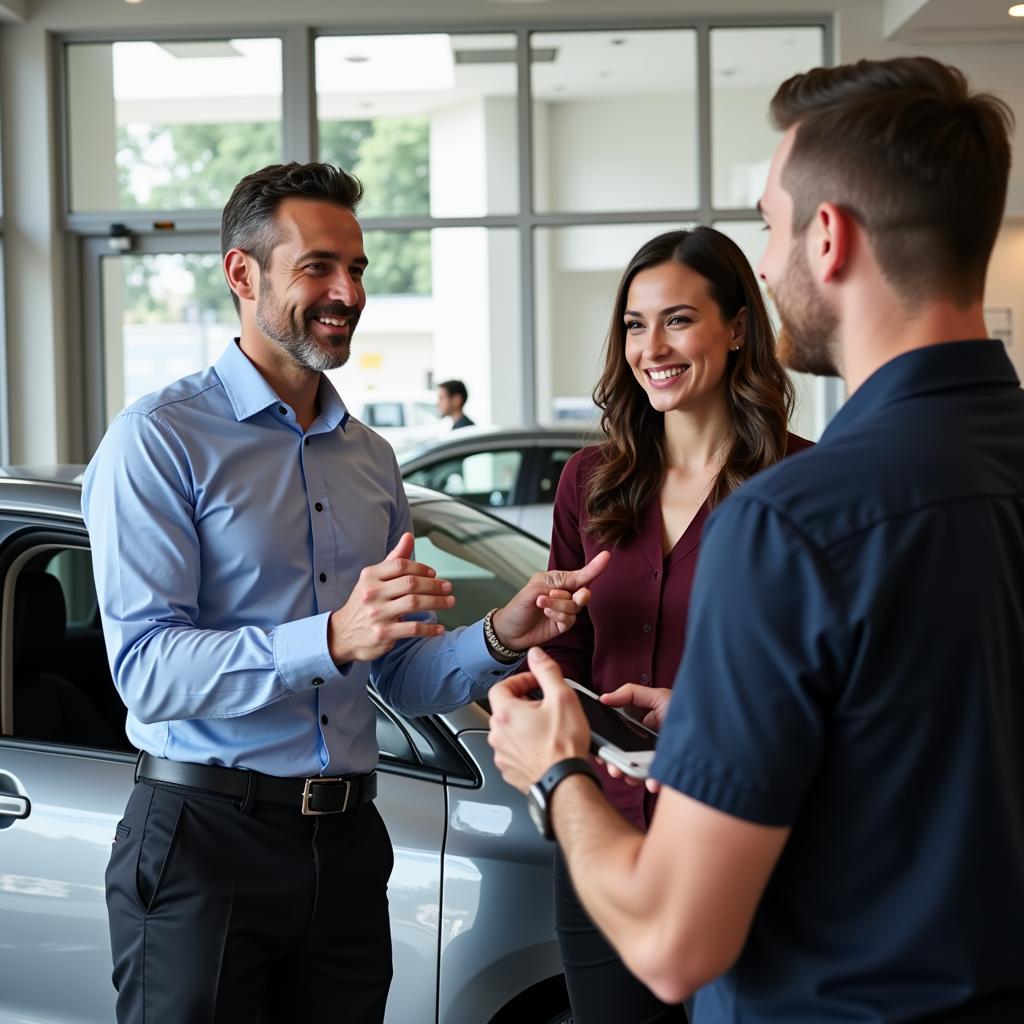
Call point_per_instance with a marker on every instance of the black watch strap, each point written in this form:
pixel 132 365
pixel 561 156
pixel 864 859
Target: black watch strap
pixel 539 797
pixel 562 770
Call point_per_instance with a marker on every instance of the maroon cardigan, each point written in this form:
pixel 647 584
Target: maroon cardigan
pixel 634 628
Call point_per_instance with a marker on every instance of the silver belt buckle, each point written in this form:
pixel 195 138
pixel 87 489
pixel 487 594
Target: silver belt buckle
pixel 307 792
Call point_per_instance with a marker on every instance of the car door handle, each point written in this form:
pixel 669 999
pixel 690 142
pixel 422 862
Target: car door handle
pixel 14 806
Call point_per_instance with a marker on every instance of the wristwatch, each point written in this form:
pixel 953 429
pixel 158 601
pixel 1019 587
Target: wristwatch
pixel 539 797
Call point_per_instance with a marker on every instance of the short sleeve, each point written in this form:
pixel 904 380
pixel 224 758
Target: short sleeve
pixel 762 668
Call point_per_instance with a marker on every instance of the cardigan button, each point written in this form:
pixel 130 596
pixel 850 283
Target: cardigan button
pixel 647 627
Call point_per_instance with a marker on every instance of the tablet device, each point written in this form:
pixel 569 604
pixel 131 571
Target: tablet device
pixel 615 737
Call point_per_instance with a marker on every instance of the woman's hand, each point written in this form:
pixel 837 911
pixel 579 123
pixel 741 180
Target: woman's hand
pixel 653 701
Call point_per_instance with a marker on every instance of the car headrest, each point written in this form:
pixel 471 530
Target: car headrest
pixel 40 619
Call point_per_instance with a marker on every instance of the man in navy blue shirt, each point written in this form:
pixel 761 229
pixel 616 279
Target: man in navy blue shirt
pixel 840 831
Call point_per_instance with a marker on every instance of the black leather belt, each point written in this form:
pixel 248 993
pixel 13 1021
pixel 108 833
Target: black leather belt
pixel 319 794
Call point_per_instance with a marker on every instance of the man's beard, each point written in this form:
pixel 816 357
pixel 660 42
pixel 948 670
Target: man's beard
pixel 809 329
pixel 297 340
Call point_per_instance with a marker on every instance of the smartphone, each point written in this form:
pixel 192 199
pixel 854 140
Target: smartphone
pixel 615 737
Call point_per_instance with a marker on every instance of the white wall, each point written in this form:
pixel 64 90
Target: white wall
pixel 1005 285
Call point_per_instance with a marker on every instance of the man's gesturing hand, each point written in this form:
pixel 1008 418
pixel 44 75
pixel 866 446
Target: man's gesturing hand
pixel 547 605
pixel 529 736
pixel 369 623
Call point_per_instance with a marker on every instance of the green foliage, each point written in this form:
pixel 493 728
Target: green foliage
pixel 196 166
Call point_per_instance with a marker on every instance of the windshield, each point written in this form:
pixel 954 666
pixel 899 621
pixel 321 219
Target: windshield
pixel 486 560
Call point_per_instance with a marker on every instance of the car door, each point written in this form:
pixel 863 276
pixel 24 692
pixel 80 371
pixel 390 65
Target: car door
pixel 74 778
pixel 66 771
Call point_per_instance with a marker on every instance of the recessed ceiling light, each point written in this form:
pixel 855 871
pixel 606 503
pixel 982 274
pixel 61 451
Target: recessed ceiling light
pixel 1016 11
pixel 619 41
pixel 357 58
pixel 133 1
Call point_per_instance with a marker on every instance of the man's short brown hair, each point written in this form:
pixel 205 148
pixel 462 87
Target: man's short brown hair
pixel 905 148
pixel 248 223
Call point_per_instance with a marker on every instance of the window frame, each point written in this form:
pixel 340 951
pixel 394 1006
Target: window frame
pixel 299 142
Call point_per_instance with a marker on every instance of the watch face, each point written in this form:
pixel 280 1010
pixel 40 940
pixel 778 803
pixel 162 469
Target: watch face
pixel 538 809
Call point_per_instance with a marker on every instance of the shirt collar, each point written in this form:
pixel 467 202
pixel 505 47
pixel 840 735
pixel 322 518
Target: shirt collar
pixel 949 366
pixel 249 393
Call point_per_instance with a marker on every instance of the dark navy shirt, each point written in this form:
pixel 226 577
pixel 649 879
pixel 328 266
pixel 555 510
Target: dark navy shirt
pixel 854 669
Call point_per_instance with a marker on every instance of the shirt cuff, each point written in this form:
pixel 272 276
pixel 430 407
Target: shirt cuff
pixel 301 656
pixel 474 658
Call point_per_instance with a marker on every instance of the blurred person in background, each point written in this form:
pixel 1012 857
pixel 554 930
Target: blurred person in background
pixel 451 397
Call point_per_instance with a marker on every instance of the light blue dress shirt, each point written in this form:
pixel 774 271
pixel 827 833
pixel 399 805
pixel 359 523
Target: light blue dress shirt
pixel 223 536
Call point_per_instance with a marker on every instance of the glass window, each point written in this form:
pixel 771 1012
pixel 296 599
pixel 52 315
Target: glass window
pixel 577 273
pixel 747 65
pixel 614 120
pixel 486 560
pixel 487 479
pixel 440 304
pixel 164 316
pixel 392 742
pixel 170 125
pixel 553 461
pixel 384 414
pixel 427 122
pixel 62 689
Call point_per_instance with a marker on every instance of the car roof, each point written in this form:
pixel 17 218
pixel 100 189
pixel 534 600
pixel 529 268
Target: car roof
pixel 57 490
pixel 474 437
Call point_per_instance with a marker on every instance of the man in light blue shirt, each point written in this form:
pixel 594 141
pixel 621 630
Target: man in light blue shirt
pixel 254 565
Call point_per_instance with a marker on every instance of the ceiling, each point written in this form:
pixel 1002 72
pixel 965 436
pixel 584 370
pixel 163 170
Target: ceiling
pixel 952 21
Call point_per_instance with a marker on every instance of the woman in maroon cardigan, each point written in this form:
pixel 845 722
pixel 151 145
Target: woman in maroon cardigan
pixel 694 401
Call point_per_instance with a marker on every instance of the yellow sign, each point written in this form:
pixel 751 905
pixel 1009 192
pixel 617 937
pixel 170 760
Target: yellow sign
pixel 371 361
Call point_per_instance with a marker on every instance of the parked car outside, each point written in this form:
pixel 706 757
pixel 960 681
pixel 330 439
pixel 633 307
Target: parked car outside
pixel 403 418
pixel 512 473
pixel 470 895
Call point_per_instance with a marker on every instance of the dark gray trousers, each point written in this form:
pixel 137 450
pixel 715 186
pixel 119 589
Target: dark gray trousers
pixel 268 916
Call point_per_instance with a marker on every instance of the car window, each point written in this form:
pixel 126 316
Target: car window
pixel 73 568
pixel 487 479
pixel 553 461
pixel 424 415
pixel 486 560
pixel 392 741
pixel 383 414
pixel 61 687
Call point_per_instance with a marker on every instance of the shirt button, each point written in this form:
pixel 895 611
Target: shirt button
pixel 647 627
pixel 323 719
pixel 318 507
pixel 323 577
pixel 657 574
pixel 644 677
pixel 317 681
pixel 282 410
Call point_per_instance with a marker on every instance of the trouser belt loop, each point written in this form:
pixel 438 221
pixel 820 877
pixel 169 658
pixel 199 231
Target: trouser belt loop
pixel 250 794
pixel 138 765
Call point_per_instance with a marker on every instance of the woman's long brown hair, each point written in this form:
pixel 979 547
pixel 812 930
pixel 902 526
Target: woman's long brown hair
pixel 760 395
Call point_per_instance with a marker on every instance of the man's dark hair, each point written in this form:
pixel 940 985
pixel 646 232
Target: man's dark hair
pixel 248 219
pixel 455 388
pixel 906 149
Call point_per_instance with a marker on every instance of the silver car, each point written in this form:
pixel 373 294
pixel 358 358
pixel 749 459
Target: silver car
pixel 471 891
pixel 513 474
